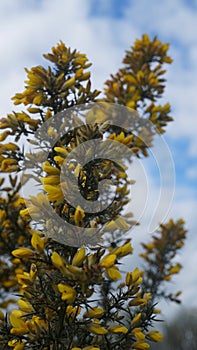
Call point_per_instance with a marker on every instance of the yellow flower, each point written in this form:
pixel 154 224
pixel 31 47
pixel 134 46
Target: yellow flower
pixel 24 279
pixel 137 302
pixel 134 277
pixel 150 246
pixel 108 260
pixel 124 250
pixel 25 306
pixel 49 169
pixel 9 164
pixel 167 278
pixel 63 151
pixel 155 336
pixel 57 260
pixel 59 160
pixel 38 99
pixel 22 252
pixel 137 332
pixel 37 242
pixel 147 296
pixel 11 146
pixel 54 193
pixel 113 273
pixel 136 319
pixel 50 180
pixel 32 211
pixel 19 326
pixel 3 135
pixel 96 328
pixel 156 311
pixel 79 257
pixel 68 83
pixel 85 76
pixel 94 312
pixel 17 344
pixel 68 292
pixel 118 329
pixel 175 269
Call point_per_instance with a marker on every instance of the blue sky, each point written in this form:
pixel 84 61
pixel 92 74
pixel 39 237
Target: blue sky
pixel 104 30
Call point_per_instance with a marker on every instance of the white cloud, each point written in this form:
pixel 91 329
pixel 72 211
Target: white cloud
pixel 192 172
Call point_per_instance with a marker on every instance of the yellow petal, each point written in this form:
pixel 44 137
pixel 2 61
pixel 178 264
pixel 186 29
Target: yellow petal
pixel 49 169
pixel 124 250
pixel 68 83
pixel 50 180
pixel 175 269
pixel 8 163
pixel 108 260
pixel 57 260
pixel 37 242
pixel 97 329
pixel 79 257
pixel 136 319
pixel 68 292
pixel 3 135
pixel 17 344
pixel 38 100
pixel 137 332
pixel 113 273
pixel 22 252
pixel 63 151
pixel 59 160
pixel 155 336
pixel 95 312
pixel 118 329
pixel 25 306
pixel 16 320
pixel 137 302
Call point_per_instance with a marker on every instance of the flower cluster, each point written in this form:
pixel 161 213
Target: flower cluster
pixel 59 299
pixel 159 256
pixel 140 83
pixel 81 298
pixel 14 232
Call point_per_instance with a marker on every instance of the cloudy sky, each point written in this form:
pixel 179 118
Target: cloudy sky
pixel 104 29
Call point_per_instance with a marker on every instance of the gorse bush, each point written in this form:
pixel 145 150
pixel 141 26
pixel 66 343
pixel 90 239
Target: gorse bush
pixel 72 290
